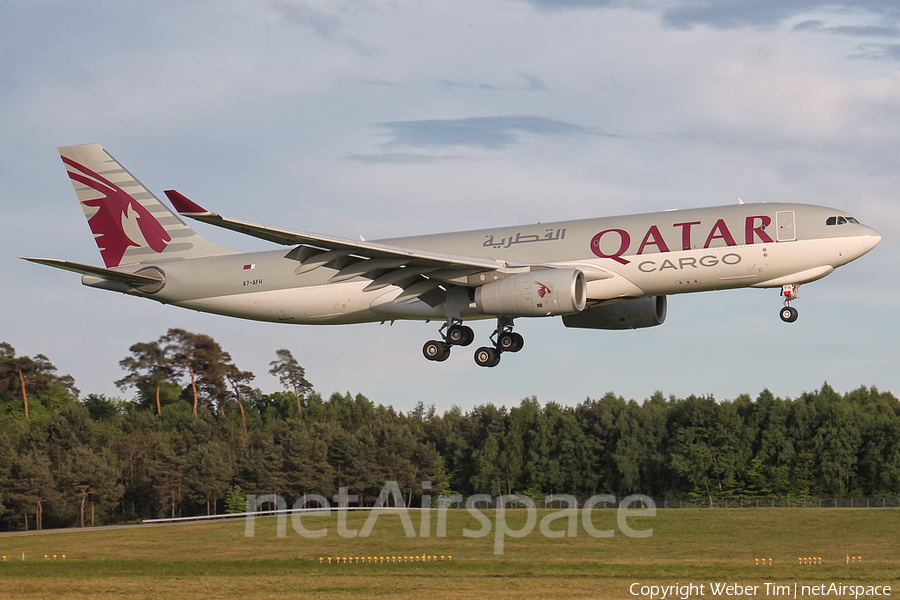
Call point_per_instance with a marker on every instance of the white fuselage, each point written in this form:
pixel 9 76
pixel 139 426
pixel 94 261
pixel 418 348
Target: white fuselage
pixel 672 252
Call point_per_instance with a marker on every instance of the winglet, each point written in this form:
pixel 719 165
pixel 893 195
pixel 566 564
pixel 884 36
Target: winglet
pixel 183 205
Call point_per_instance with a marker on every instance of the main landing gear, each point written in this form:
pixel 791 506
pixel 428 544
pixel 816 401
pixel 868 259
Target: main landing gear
pixel 505 340
pixel 788 313
pixel 457 334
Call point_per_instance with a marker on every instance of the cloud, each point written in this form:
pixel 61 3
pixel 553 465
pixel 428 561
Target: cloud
pixel 560 5
pixel 326 23
pixel 323 23
pixel 532 84
pixel 812 25
pixel 380 82
pixel 492 133
pixel 732 14
pixel 878 52
pixel 404 158
pixel 849 30
pixel 685 14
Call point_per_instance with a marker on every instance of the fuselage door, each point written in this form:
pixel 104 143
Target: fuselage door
pixel 785 221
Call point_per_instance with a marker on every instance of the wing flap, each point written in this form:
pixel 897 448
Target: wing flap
pixel 416 290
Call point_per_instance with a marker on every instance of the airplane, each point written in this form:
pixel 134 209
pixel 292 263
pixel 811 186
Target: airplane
pixel 601 273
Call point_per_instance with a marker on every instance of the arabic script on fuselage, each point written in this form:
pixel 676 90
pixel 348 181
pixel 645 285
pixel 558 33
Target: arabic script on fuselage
pixel 550 235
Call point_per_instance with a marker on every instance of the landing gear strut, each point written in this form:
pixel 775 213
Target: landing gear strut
pixel 788 313
pixel 504 339
pixel 457 334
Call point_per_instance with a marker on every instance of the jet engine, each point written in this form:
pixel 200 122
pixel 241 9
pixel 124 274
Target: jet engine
pixel 628 314
pixel 534 294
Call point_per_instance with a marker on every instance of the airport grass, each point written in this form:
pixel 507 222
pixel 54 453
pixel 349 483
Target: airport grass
pixel 217 560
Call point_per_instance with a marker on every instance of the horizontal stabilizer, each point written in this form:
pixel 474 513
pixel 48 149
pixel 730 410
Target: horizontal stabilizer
pixel 132 279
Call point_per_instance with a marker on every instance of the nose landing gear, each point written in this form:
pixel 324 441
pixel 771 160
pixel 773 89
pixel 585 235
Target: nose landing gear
pixel 788 313
pixel 457 334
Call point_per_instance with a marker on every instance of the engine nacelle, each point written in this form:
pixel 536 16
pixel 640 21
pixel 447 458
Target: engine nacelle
pixel 628 314
pixel 534 294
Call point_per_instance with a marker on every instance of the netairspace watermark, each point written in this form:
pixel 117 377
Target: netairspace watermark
pixel 736 590
pixel 501 530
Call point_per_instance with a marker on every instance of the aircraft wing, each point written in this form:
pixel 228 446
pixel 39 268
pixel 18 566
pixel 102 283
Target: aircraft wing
pixel 418 272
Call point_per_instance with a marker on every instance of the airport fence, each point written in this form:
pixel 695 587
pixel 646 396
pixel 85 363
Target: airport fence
pixel 720 502
pixel 770 502
pixel 736 502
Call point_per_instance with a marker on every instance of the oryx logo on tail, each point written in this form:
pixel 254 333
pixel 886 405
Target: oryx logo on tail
pixel 120 221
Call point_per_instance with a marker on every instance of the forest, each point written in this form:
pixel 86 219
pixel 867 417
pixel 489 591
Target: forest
pixel 192 428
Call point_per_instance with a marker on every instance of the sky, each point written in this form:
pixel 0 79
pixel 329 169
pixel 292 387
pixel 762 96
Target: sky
pixel 386 118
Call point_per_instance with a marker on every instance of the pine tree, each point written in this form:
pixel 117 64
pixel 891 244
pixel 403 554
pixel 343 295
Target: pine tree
pixel 291 375
pixel 235 502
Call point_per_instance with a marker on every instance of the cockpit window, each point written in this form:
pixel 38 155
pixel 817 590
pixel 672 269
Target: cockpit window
pixel 840 220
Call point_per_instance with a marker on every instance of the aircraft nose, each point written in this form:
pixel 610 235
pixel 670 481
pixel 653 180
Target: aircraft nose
pixel 873 238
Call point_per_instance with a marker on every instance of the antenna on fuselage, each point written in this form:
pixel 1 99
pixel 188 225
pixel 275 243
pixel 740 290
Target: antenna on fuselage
pixel 740 201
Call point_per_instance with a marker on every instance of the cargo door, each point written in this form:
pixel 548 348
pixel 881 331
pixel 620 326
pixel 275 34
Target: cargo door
pixel 785 222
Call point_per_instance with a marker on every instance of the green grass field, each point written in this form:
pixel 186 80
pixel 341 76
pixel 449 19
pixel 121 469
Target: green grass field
pixel 216 560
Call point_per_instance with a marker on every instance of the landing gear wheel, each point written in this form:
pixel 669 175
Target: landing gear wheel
pixel 510 341
pixel 789 314
pixel 436 351
pixel 460 335
pixel 487 357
